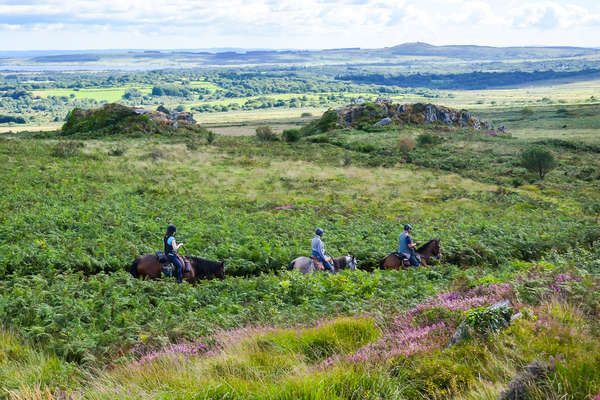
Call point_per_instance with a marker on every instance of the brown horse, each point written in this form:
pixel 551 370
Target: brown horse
pixel 424 253
pixel 149 267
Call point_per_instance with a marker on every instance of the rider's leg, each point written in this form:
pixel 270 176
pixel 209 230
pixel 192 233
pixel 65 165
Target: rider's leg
pixel 178 268
pixel 414 261
pixel 326 264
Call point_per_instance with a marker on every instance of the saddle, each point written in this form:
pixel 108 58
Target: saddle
pixel 405 258
pixel 318 265
pixel 167 267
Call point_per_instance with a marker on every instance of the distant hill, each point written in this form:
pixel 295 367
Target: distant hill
pixel 487 52
pixel 335 56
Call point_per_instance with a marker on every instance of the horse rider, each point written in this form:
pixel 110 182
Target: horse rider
pixel 171 247
pixel 406 247
pixel 318 250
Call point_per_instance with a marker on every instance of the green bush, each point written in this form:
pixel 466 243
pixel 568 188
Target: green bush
pixel 117 151
pixel 427 139
pixel 485 320
pixel 291 135
pixel 210 137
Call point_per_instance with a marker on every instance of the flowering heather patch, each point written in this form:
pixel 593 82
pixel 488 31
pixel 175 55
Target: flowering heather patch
pixel 404 337
pixel 562 282
pixel 476 297
pixel 185 349
pixel 597 397
pixel 285 208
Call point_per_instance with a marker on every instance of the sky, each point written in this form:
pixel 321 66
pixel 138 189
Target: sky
pixel 301 24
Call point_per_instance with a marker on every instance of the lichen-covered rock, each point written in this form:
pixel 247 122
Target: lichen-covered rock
pixel 384 122
pixel 385 113
pixel 117 119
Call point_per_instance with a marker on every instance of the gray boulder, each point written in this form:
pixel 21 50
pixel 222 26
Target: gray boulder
pixel 383 122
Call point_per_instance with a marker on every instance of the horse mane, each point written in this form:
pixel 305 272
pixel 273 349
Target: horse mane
pixel 203 260
pixel 424 246
pixel 196 261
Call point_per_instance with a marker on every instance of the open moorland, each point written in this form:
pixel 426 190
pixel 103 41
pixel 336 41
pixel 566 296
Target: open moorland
pixel 79 205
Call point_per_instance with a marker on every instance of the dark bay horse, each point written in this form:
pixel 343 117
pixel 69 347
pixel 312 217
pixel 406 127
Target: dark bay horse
pixel 306 266
pixel 149 267
pixel 431 248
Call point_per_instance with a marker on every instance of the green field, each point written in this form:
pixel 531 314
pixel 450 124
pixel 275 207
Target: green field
pixel 109 95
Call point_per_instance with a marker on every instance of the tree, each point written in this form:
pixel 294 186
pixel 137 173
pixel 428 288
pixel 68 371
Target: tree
pixel 537 159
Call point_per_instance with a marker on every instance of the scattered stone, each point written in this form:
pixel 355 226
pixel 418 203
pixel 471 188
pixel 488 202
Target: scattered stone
pixel 383 122
pixel 518 388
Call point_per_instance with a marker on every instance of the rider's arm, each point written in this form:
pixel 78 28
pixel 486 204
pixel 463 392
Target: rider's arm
pixel 175 245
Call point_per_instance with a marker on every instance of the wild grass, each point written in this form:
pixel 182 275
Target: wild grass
pixel 319 360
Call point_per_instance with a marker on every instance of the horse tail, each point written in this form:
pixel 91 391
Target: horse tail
pixel 290 267
pixel 133 270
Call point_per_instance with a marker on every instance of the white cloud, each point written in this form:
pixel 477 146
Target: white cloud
pixel 305 23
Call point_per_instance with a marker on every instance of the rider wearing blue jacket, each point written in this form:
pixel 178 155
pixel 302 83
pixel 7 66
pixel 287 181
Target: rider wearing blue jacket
pixel 171 247
pixel 318 250
pixel 406 247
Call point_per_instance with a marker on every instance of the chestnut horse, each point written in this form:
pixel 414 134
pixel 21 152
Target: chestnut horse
pixel 149 267
pixel 394 260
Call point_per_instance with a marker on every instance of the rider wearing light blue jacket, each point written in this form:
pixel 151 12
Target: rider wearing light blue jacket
pixel 318 249
pixel 406 247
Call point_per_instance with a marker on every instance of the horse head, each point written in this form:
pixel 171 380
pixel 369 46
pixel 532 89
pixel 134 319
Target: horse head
pixel 351 262
pixel 221 271
pixel 435 250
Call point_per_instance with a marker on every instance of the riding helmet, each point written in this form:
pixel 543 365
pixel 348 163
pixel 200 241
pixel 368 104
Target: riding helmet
pixel 319 231
pixel 171 229
pixel 407 227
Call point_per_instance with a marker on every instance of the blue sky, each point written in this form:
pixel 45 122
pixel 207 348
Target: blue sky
pixel 307 24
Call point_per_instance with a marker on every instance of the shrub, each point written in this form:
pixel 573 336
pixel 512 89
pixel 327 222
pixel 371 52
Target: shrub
pixel 192 144
pixel 210 137
pixel 291 135
pixel 266 134
pixel 526 112
pixel 537 159
pixel 427 139
pixel 406 145
pixel 117 151
pixel 484 320
pixel 66 148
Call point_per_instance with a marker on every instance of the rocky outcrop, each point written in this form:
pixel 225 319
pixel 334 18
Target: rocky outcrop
pixel 385 113
pixel 163 115
pixel 117 119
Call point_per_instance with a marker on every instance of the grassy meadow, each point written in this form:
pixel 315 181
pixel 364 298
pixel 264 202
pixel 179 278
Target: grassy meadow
pixel 76 212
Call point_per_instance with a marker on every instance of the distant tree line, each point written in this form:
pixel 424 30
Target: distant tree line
pixel 472 80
